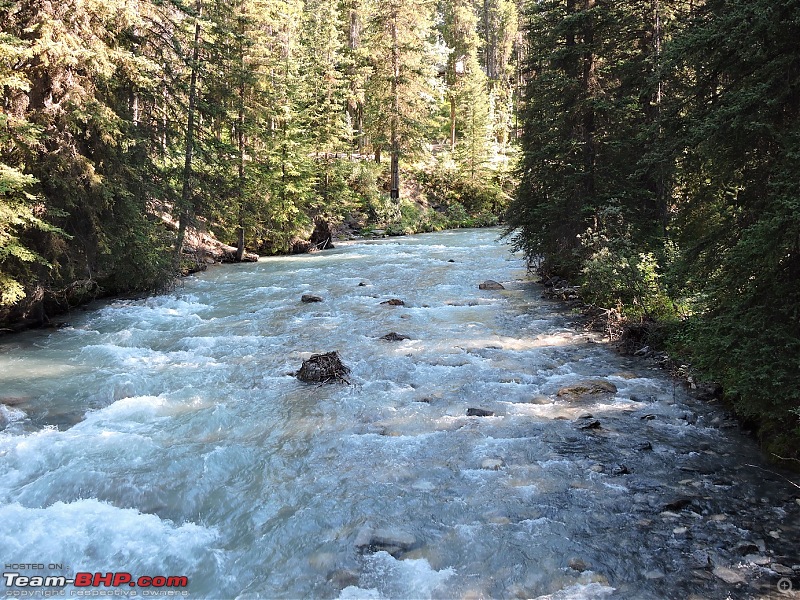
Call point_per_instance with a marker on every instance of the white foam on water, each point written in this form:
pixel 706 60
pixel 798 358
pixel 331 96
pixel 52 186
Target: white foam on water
pixel 88 535
pixel 386 577
pixel 591 591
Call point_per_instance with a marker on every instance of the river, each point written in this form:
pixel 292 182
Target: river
pixel 168 436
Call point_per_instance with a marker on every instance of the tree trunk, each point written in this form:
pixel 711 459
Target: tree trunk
pixel 452 122
pixel 241 182
pixel 589 89
pixel 395 141
pixel 185 208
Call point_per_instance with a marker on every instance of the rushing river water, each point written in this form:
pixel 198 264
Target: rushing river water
pixel 168 436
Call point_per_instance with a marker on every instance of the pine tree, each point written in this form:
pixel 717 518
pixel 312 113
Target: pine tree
pixel 399 100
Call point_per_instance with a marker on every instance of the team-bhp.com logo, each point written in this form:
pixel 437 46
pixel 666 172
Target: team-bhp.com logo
pixel 157 585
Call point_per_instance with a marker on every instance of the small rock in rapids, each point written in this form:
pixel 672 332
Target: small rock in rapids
pixel 395 542
pixel 394 302
pixel 490 284
pixel 479 412
pixel 309 298
pixel 394 337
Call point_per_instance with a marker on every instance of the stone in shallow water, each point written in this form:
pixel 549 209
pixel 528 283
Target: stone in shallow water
pixel 490 284
pixel 728 575
pixel 587 389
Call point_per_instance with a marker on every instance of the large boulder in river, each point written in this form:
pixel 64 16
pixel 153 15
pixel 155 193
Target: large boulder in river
pixel 587 389
pixel 490 284
pixel 324 368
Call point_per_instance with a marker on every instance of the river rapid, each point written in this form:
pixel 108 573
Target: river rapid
pixel 168 436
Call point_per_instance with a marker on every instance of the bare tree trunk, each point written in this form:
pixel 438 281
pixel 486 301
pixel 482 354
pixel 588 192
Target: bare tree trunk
pixel 452 122
pixel 240 142
pixel 589 88
pixel 395 141
pixel 185 208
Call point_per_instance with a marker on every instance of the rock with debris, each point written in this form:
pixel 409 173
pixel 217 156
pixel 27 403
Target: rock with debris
pixel 324 368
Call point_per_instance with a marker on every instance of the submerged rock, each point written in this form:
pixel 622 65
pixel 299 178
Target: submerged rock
pixel 308 298
pixel 728 575
pixel 343 578
pixel 324 368
pixel 490 284
pixel 395 542
pixel 587 389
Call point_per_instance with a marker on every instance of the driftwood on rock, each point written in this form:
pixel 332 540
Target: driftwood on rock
pixel 324 368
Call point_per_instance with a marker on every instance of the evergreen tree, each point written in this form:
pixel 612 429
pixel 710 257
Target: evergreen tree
pixel 399 99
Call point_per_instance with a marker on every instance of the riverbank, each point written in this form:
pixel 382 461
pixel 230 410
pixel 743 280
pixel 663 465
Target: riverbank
pixel 654 342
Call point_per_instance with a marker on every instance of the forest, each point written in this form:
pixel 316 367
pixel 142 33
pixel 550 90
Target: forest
pixel 646 151
pixel 127 124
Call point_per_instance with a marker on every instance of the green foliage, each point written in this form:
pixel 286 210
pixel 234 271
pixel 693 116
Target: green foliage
pixel 615 277
pixel 659 167
pixel 445 185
